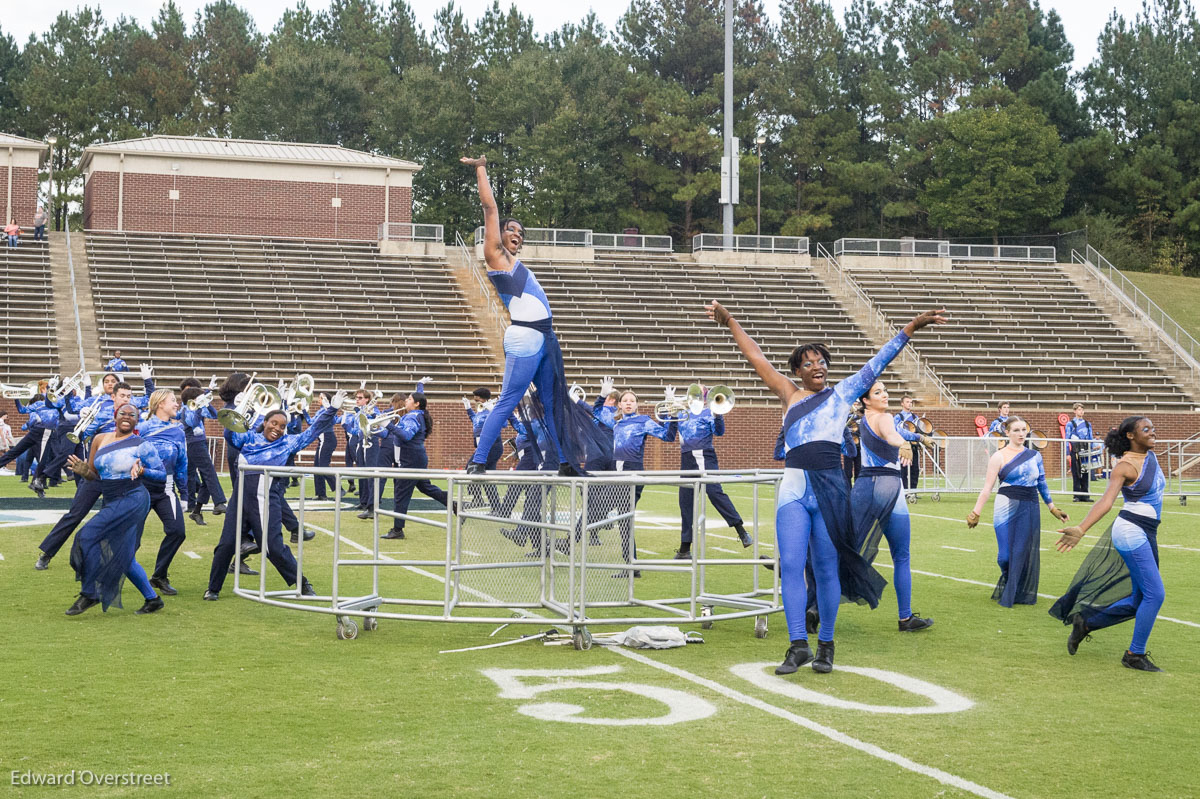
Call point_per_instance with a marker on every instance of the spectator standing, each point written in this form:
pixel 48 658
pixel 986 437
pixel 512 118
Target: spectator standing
pixel 13 232
pixel 39 224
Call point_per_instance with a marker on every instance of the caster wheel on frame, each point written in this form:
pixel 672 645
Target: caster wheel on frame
pixel 1183 500
pixel 937 497
pixel 347 630
pixel 581 639
pixel 760 626
pixel 370 624
pixel 705 622
pixel 911 498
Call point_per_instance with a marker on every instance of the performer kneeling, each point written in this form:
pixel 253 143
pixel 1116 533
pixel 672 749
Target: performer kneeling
pixel 270 447
pixel 1119 579
pixel 813 505
pixel 878 498
pixel 1015 517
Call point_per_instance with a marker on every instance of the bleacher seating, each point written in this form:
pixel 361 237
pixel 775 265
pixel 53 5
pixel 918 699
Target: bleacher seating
pixel 1026 334
pixel 27 330
pixel 640 318
pixel 339 310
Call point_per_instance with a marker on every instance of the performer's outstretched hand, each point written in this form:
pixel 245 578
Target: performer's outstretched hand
pixel 921 320
pixel 1059 513
pixel 1071 536
pixel 480 161
pixel 717 312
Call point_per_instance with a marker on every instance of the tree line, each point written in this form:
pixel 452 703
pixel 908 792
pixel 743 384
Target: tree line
pixel 927 118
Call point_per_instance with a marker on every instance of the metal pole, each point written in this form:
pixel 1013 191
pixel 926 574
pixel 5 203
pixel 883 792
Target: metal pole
pixel 758 192
pixel 727 222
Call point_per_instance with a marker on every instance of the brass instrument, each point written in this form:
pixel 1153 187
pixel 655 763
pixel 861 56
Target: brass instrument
pixel 75 382
pixel 679 408
pixel 370 427
pixel 202 401
pixel 576 393
pixel 258 398
pixel 298 394
pixel 24 391
pixel 86 417
pixel 720 400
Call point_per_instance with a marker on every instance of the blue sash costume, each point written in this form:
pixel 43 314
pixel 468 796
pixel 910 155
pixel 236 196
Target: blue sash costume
pixel 812 510
pixel 104 550
pixel 1018 524
pixel 1119 579
pixel 170 440
pixel 881 512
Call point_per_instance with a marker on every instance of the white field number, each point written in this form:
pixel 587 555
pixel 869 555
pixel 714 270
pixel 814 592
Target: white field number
pixel 683 706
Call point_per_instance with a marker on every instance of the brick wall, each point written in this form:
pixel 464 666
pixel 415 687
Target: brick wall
pixel 24 193
pixel 242 207
pixel 749 439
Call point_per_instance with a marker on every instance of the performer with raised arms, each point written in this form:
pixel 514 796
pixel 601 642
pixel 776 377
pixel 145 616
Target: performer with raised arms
pixel 813 505
pixel 1016 518
pixel 1119 579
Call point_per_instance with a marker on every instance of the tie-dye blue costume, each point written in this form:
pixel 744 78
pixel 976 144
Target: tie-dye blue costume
pixel 1018 524
pixel 1119 579
pixel 104 550
pixel 170 439
pixel 812 509
pixel 696 452
pixel 407 436
pixel 880 510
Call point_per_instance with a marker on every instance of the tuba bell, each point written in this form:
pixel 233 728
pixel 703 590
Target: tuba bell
pixel 720 400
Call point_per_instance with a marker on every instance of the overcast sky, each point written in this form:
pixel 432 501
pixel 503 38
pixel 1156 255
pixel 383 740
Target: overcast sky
pixel 1082 19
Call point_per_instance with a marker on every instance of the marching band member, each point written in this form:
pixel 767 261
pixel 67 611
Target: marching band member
pixel 531 351
pixel 324 487
pixel 1079 430
pixel 696 452
pixel 478 414
pixel 43 418
pixel 910 475
pixel 1120 579
pixel 629 443
pixel 851 458
pixel 169 439
pixel 1000 423
pixel 1016 518
pixel 813 505
pixel 88 491
pixel 878 499
pixel 349 422
pixel 363 446
pixel 203 482
pixel 106 546
pixel 408 436
pixel 296 422
pixel 267 448
pixel 116 363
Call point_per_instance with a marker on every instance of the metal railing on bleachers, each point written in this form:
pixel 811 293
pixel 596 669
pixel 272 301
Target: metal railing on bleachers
pixel 790 245
pixel 409 231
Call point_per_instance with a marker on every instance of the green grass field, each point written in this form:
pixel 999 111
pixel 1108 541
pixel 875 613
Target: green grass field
pixel 235 698
pixel 1179 297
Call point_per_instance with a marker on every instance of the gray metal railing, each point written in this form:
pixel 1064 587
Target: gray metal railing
pixel 550 237
pixel 408 231
pixel 632 241
pixel 1003 252
pixel 899 248
pixel 795 245
pixel 74 298
pixel 1158 323
pixel 884 327
pixel 484 286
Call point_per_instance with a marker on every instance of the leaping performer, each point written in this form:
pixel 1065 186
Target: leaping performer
pixel 813 505
pixel 531 351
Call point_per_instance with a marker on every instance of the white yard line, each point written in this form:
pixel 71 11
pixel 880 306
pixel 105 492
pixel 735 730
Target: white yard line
pixel 1179 547
pixel 647 551
pixel 191 554
pixel 723 549
pixel 471 553
pixel 960 549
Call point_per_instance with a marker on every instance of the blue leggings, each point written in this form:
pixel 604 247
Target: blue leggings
pixel 897 533
pixel 519 372
pixel 137 576
pixel 796 529
pixel 1146 599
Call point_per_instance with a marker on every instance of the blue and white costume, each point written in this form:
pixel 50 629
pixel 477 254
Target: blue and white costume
pixel 407 435
pixel 104 549
pixel 43 419
pixel 812 509
pixel 997 425
pixel 696 452
pixel 909 475
pixel 116 365
pixel 478 419
pixel 629 450
pixel 203 483
pixel 255 449
pixel 1018 524
pixel 170 440
pixel 1119 579
pixel 1078 430
pixel 880 511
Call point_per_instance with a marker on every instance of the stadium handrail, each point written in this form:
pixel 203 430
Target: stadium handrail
pixel 75 299
pixel 410 231
pixel 550 237
pixel 232 236
pixel 745 243
pixel 470 261
pixel 632 241
pixel 1157 321
pixel 900 248
pixel 886 328
pixel 1003 252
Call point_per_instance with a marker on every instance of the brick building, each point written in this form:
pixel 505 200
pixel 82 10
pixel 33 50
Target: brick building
pixel 21 160
pixel 180 184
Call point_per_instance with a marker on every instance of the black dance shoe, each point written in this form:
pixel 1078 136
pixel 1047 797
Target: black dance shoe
pixel 1079 634
pixel 683 554
pixel 151 606
pixel 743 536
pixel 43 563
pixel 37 484
pixel 570 470
pixel 309 535
pixel 476 468
pixel 812 620
pixel 85 602
pixel 914 623
pixel 249 547
pixel 198 517
pixel 797 656
pixel 365 513
pixel 393 535
pixel 163 586
pixel 306 588
pixel 211 596
pixel 1129 660
pixel 824 662
pixel 243 568
pixel 219 510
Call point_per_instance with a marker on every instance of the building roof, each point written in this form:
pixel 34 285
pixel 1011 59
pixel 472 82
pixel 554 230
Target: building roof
pixel 247 150
pixel 9 140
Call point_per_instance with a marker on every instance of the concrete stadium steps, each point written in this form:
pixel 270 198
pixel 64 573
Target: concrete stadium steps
pixel 640 319
pixel 28 332
pixel 341 311
pixel 1025 334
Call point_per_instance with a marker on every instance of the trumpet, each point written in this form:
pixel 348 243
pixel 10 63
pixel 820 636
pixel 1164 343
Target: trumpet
pixel 720 400
pixel 75 382
pixel 202 401
pixel 577 393
pixel 370 427
pixel 298 394
pixel 86 417
pixel 24 391
pixel 679 408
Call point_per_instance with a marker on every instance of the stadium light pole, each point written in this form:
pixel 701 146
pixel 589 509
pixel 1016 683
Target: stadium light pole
pixel 759 142
pixel 52 140
pixel 730 160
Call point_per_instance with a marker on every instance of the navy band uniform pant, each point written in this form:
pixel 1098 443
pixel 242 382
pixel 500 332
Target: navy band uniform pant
pixel 716 495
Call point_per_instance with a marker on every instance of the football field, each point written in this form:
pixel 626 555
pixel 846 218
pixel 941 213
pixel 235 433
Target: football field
pixel 234 698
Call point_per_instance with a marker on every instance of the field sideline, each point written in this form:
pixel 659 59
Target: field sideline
pixel 238 699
